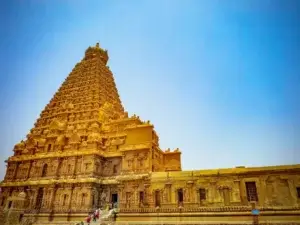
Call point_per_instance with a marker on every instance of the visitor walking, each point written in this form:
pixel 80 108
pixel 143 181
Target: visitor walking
pixel 94 217
pixel 88 219
pixel 97 213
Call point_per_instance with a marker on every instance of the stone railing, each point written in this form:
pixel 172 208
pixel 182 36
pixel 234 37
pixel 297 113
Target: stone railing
pixel 205 209
pixel 178 210
pixel 166 223
pixel 169 210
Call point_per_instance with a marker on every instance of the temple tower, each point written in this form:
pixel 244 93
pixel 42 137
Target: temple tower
pixel 83 143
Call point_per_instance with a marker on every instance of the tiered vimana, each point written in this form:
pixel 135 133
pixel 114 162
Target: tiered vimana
pixel 84 152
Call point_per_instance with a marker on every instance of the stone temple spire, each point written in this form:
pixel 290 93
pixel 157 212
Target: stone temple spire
pixel 88 95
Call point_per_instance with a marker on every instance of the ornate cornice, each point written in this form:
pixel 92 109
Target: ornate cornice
pixel 104 180
pixel 60 154
pixel 146 145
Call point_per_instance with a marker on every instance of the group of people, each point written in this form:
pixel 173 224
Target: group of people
pixel 94 216
pixel 98 212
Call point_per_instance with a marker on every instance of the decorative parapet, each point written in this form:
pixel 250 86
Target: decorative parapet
pixel 60 154
pixel 168 151
pixel 129 177
pixel 136 147
pixel 104 180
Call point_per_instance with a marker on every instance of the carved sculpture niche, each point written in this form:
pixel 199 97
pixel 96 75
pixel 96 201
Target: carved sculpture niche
pixel 56 128
pixel 74 141
pixel 11 167
pixel 142 160
pixel 111 167
pixel 104 197
pixel 278 192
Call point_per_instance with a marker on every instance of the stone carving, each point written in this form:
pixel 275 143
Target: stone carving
pixel 106 112
pixel 94 137
pixel 75 138
pixel 278 192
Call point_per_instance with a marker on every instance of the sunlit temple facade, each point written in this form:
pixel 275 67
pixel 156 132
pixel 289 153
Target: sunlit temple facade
pixel 85 152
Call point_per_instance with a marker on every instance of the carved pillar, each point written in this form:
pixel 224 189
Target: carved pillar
pixel 135 195
pixel 236 195
pixel 121 196
pixel 214 193
pixel 262 191
pixel 134 163
pixel 95 196
pixel 108 194
pixel 16 170
pixel 275 189
pixel 243 193
pixel 197 196
pixel 52 197
pixel 75 166
pixel 59 164
pixel 29 169
pixel 189 195
pixel 71 197
pixel 93 168
pixel 44 200
pixel 90 201
pixel 194 194
pixel 164 195
pixel 292 189
pixel 34 197
pixel 168 192
pixel 147 194
pixel 173 194
pixel 29 197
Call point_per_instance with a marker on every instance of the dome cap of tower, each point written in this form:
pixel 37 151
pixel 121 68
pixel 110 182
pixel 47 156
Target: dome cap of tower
pixel 96 51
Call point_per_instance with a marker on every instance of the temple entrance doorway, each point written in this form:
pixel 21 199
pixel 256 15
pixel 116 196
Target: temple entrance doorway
pixel 157 198
pixel 114 198
pixel 180 196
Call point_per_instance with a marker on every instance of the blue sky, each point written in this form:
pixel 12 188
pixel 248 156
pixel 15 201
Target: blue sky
pixel 218 79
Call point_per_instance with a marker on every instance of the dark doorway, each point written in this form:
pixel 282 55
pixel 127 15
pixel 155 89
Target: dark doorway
pixel 251 191
pixel 157 198
pixel 20 218
pixel 141 196
pixel 115 169
pixel 39 199
pixel 180 196
pixel 114 198
pixel 45 170
pixel 9 204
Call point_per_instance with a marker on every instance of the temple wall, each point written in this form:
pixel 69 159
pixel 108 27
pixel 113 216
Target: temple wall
pixel 278 189
pixel 161 189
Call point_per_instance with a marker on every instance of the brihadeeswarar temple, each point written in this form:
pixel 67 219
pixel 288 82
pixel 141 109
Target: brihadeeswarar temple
pixel 85 152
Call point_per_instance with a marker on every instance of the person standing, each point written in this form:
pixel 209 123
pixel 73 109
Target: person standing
pixel 97 214
pixel 88 219
pixel 94 217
